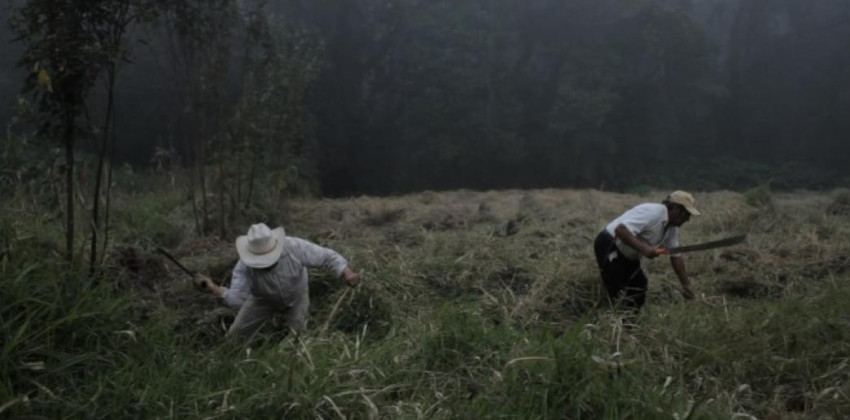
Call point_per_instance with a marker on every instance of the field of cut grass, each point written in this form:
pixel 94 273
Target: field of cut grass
pixel 474 305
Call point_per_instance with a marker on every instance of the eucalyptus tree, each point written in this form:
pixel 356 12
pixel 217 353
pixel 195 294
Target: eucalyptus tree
pixel 280 62
pixel 69 45
pixel 63 51
pixel 201 34
pixel 111 33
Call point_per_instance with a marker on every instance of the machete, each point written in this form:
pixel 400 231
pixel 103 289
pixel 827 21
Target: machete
pixel 202 285
pixel 703 246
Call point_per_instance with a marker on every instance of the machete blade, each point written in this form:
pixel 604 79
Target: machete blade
pixel 707 245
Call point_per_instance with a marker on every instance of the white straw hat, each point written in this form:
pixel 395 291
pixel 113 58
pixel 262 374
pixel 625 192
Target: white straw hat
pixel 261 247
pixel 685 200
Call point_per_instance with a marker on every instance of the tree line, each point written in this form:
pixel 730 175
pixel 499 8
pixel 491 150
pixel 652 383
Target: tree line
pixel 368 96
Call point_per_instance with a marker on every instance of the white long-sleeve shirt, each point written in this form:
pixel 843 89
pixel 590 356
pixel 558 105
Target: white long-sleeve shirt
pixel 286 281
pixel 648 222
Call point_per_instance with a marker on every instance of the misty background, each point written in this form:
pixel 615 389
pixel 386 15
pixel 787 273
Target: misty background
pixel 344 97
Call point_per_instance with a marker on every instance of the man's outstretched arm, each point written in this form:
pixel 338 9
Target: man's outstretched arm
pixel 678 264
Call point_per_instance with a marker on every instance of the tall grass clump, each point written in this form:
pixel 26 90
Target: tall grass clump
pixel 55 342
pixel 549 375
pixel 146 219
pixel 88 354
pixel 457 340
pixel 840 205
pixel 759 197
pixel 760 357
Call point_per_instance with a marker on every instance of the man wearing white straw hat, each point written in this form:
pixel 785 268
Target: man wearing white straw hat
pixel 642 231
pixel 271 277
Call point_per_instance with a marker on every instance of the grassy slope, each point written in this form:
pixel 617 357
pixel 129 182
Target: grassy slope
pixel 476 304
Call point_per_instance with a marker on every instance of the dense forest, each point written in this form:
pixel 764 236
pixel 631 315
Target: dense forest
pixel 347 97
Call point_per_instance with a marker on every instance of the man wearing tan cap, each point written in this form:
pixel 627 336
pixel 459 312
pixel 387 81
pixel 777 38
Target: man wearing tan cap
pixel 642 231
pixel 271 277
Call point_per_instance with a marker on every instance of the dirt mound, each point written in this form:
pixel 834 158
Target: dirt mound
pixel 137 270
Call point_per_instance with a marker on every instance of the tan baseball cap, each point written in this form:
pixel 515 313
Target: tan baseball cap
pixel 685 200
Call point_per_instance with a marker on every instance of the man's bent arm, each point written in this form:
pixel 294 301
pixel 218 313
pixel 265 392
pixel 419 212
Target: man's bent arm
pixel 623 233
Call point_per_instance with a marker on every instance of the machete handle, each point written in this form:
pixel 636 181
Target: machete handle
pixel 202 285
pixel 661 251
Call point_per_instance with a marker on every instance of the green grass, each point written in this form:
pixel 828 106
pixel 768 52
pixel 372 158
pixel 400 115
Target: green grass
pixel 455 319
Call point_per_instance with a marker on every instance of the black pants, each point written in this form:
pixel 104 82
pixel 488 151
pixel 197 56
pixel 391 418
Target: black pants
pixel 619 273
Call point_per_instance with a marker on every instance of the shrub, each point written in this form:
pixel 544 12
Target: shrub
pixel 759 197
pixel 146 220
pixel 840 205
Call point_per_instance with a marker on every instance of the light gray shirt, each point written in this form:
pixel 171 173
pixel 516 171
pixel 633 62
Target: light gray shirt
pixel 649 222
pixel 286 282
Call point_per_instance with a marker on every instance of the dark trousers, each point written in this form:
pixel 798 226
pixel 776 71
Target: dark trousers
pixel 619 273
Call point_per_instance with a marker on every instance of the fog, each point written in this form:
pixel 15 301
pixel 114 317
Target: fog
pixel 350 97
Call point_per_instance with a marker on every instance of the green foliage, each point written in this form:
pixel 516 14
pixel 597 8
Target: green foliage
pixel 62 55
pixel 50 334
pixel 762 345
pixel 565 377
pixel 365 312
pixel 148 220
pixel 69 43
pixel 464 341
pixel 253 149
pixel 28 170
pixel 271 139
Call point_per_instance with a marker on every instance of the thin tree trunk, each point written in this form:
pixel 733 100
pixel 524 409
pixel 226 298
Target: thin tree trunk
pixel 202 159
pixel 105 241
pixel 109 185
pixel 279 154
pixel 69 182
pixel 238 175
pixel 192 177
pixel 251 176
pixel 221 204
pixel 100 163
